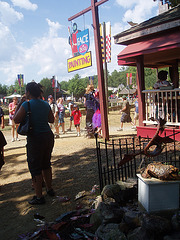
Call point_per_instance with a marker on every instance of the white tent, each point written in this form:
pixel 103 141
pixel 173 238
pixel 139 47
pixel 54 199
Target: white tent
pixel 14 95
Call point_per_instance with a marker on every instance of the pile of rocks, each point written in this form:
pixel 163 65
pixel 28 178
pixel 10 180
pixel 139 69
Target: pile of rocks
pixel 114 215
pixel 118 216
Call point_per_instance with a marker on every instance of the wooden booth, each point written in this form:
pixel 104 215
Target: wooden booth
pixel 155 43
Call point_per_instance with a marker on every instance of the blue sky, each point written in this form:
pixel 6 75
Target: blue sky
pixel 34 35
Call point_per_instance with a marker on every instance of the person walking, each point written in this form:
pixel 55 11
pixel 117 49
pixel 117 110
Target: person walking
pixel 12 109
pixel 55 111
pixel 76 113
pixel 136 113
pixel 40 142
pixel 125 113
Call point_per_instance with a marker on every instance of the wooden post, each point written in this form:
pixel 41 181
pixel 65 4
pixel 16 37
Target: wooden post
pixel 141 87
pixel 100 73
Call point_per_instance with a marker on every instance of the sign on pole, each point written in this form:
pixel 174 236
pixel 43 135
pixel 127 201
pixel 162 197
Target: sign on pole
pixel 79 62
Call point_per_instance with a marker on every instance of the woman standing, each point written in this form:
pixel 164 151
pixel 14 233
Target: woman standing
pixel 40 143
pixel 90 104
pixel 61 109
pixel 12 109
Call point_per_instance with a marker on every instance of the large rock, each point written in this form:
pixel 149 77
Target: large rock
pixel 106 213
pixel 110 231
pixel 156 226
pixel 139 234
pixel 121 192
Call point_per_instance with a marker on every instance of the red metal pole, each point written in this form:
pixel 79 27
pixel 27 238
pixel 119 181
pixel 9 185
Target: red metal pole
pixel 100 72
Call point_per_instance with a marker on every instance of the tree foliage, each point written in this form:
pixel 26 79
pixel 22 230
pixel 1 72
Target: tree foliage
pixel 47 87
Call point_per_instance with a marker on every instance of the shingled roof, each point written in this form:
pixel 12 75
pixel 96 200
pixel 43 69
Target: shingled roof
pixel 163 22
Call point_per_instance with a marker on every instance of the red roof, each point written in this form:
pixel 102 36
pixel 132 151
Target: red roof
pixel 168 42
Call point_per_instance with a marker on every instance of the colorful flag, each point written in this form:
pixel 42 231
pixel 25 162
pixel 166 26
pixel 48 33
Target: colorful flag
pixel 21 80
pixel 130 78
pixel 102 40
pixel 127 76
pixel 53 81
pixel 91 80
pixel 108 42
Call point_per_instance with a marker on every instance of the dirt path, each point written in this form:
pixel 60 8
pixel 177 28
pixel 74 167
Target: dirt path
pixel 74 166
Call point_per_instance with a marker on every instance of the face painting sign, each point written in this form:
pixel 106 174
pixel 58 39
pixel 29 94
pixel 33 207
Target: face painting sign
pixel 83 41
pixel 79 62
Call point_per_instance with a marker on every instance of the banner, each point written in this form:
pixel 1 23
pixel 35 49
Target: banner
pixel 127 77
pixel 79 62
pixel 108 41
pixel 130 78
pixel 102 40
pixel 20 80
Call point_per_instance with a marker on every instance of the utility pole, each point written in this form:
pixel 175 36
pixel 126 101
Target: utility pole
pixel 101 82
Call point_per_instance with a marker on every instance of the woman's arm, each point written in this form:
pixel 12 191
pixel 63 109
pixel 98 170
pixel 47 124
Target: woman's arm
pixel 50 116
pixel 2 122
pixel 11 110
pixel 19 115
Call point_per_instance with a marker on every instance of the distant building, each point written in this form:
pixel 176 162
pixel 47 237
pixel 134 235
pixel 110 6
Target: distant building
pixel 163 6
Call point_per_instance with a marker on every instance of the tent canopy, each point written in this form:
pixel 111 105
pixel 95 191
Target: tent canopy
pixel 14 95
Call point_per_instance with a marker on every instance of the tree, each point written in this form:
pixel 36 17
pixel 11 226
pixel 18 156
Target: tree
pixel 10 90
pixel 64 85
pixel 3 89
pixel 47 87
pixel 77 86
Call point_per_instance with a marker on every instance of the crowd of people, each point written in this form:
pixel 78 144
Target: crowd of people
pixel 47 117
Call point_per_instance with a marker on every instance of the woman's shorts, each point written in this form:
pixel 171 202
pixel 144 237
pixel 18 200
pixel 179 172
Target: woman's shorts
pixel 39 148
pixel 61 118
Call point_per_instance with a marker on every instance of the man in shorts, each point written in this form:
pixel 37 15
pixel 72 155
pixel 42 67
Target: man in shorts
pixel 125 113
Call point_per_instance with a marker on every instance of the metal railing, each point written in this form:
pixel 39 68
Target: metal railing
pixel 164 104
pixel 109 154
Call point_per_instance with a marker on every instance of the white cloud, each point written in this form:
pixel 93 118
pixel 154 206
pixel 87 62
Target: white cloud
pixel 49 53
pixel 8 15
pixel 140 10
pixel 53 28
pixel 26 4
pixel 127 4
pixel 8 43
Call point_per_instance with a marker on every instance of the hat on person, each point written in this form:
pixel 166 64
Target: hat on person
pixel 50 96
pixel 75 106
pixel 123 96
pixel 68 98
